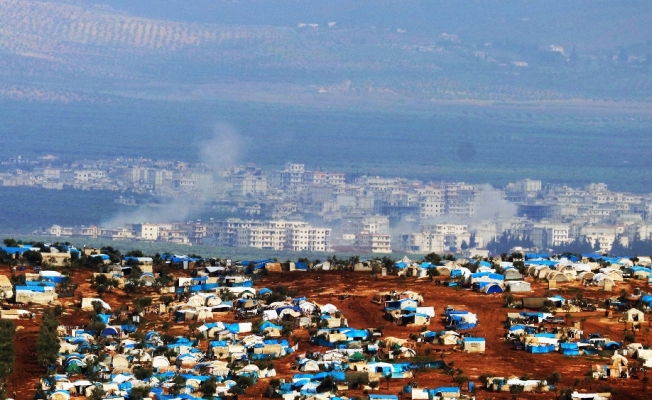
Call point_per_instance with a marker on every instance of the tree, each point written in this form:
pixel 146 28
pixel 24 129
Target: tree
pixel 387 262
pixel 142 373
pixel 142 302
pixel 596 245
pixel 140 392
pixel 326 385
pixel 353 260
pixel 96 394
pixel 18 280
pixel 47 344
pixel 100 289
pixel 130 288
pixel 432 272
pixel 10 242
pixel 554 378
pixel 433 258
pixel 209 387
pixel 472 242
pixel 516 390
pixel 7 348
pixel 95 325
pixel 589 378
pixel 178 383
pixel 33 257
pixel 460 379
pixel 509 299
pixel 136 273
pixel 114 254
pixel 484 378
pixel 243 382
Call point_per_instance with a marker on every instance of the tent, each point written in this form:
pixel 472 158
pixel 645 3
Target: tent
pixel 87 304
pixel 310 366
pixel 110 331
pixel 120 361
pixel 512 274
pixel 328 309
pixel 557 276
pixel 585 275
pixel 60 395
pixel 492 288
pixel 518 286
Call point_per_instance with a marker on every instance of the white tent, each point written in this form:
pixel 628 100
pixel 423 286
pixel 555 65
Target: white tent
pixel 87 303
pixel 270 315
pixel 310 366
pixel 328 309
pixel 307 307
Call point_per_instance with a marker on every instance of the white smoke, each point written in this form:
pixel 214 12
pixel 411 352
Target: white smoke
pixel 491 206
pixel 222 151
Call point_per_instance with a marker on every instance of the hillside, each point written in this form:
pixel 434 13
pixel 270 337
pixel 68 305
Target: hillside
pixel 65 51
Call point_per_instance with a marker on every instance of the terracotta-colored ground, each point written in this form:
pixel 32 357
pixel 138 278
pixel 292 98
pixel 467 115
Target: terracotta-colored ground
pixel 325 287
pixel 499 359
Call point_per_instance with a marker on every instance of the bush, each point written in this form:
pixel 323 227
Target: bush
pixel 139 392
pixel 143 372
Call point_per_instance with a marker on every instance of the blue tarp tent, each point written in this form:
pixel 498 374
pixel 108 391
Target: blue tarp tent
pixel 110 331
pixel 301 266
pixel 540 349
pixel 569 349
pixel 533 256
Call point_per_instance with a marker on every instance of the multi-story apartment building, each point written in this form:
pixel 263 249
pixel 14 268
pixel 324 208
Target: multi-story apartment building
pixel 373 243
pixel 371 224
pixel 422 242
pixel 271 235
pixel 308 239
pixel 547 235
pixel 150 231
pixel 245 185
pixel 603 234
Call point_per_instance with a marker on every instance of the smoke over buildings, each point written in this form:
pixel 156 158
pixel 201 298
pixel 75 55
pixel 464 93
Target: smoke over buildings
pixel 223 150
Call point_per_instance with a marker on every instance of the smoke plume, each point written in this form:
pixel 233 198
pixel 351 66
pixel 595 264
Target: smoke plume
pixel 223 150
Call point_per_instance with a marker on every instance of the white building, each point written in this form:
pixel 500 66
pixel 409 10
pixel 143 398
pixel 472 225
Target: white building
pixel 373 243
pixel 422 242
pixel 546 235
pixel 309 239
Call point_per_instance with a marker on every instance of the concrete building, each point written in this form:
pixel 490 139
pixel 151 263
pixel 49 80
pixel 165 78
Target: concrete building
pixel 150 231
pixel 546 235
pixel 603 234
pixel 308 239
pixel 422 242
pixel 373 243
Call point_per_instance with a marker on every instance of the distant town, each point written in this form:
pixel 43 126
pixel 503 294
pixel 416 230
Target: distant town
pixel 361 213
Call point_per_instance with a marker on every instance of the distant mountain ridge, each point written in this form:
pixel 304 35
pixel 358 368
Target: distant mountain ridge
pixel 291 51
pixel 50 28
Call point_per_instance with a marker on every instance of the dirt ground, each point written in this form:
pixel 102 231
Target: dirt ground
pixel 499 358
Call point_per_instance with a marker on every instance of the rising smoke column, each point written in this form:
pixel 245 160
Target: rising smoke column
pixel 223 150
